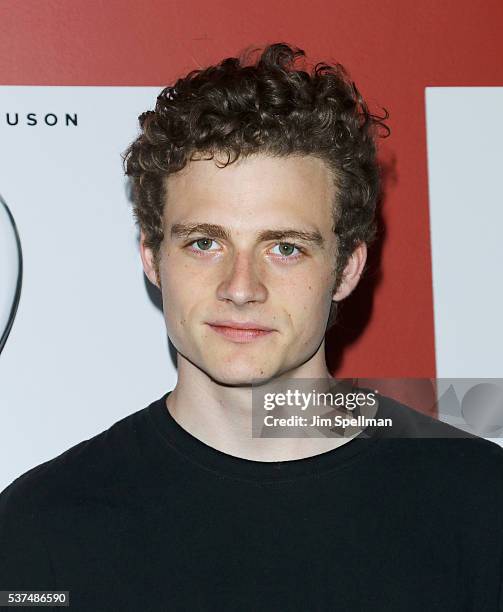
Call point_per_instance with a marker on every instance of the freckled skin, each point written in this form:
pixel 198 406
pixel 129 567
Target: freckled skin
pixel 242 279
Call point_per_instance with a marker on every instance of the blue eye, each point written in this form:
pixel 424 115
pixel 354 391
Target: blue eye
pixel 202 243
pixel 286 249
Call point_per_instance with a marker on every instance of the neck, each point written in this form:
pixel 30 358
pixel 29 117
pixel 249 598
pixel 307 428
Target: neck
pixel 221 416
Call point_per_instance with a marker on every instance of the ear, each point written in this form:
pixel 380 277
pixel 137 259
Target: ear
pixel 147 259
pixel 352 272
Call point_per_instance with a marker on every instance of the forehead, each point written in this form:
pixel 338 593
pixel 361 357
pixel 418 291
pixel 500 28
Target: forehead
pixel 255 186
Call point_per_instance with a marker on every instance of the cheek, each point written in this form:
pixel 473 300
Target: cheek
pixel 307 309
pixel 307 297
pixel 177 297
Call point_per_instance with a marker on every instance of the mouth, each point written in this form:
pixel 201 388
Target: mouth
pixel 240 332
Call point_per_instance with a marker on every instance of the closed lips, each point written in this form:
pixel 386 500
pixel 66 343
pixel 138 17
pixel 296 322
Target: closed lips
pixel 250 325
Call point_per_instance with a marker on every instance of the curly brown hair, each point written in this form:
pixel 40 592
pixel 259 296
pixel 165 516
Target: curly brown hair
pixel 269 106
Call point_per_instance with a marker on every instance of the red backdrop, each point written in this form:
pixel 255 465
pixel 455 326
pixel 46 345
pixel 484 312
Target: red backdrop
pixel 393 50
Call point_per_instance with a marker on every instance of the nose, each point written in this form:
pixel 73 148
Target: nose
pixel 242 282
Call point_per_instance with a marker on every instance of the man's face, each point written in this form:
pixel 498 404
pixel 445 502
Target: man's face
pixel 234 270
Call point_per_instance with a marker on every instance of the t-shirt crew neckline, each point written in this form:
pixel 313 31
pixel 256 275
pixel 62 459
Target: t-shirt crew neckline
pixel 206 457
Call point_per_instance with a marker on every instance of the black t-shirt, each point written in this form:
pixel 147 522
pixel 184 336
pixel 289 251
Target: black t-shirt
pixel 145 516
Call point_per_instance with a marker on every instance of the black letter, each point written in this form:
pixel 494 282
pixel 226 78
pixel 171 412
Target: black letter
pixel 8 119
pixel 71 119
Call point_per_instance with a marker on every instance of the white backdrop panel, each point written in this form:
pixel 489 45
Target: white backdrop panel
pixel 465 165
pixel 88 345
pixel 465 161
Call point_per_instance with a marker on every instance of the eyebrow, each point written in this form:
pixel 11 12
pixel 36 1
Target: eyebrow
pixel 184 230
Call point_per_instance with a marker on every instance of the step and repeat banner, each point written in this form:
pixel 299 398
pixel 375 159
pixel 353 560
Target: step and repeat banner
pixel 88 345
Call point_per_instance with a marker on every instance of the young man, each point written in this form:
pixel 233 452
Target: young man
pixel 255 193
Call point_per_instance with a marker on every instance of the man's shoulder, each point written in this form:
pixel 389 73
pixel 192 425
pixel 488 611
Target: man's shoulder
pixel 442 446
pixel 97 463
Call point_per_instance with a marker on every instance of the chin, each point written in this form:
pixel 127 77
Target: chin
pixel 240 377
